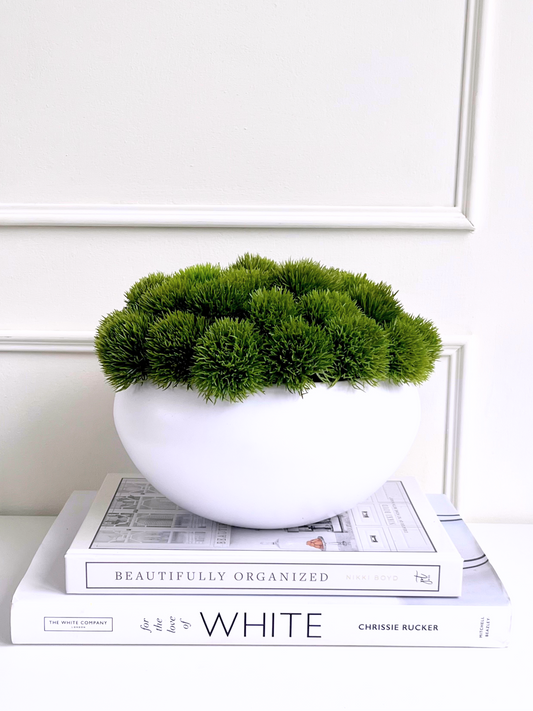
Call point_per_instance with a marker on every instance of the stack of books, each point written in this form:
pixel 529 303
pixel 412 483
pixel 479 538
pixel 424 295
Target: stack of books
pixel 127 566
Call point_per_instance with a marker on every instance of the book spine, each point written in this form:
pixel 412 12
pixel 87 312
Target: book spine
pixel 259 578
pixel 287 621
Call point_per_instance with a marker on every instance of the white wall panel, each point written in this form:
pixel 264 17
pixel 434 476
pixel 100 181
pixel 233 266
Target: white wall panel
pixel 236 103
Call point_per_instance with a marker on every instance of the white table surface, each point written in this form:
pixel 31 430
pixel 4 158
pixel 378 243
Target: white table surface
pixel 81 678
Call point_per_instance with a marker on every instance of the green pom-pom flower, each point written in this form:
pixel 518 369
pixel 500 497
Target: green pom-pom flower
pixel 299 354
pixel 120 344
pixel 228 295
pixel 305 275
pixel 200 273
pixel 170 347
pixel 375 300
pixel 228 361
pixel 172 293
pixel 254 261
pixel 361 349
pixel 431 338
pixel 143 285
pixel 270 306
pixel 165 297
pixel 410 361
pixel 319 307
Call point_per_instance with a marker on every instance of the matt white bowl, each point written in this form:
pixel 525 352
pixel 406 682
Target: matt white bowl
pixel 276 460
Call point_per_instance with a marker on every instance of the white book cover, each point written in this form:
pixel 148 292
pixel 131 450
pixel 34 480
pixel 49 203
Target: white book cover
pixel 135 540
pixel 42 613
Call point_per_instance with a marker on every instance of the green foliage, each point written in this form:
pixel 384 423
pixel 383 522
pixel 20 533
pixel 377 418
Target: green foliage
pixel 410 361
pixel 361 349
pixel 431 338
pixel 165 297
pixel 232 332
pixel 299 355
pixel 270 306
pixel 120 344
pixel 229 364
pixel 254 261
pixel 170 347
pixel 227 295
pixel 375 300
pixel 319 307
pixel 200 273
pixel 145 284
pixel 305 275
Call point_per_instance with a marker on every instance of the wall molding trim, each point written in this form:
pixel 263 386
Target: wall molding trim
pixel 453 354
pixel 465 144
pixel 47 341
pixel 288 216
pixel 236 216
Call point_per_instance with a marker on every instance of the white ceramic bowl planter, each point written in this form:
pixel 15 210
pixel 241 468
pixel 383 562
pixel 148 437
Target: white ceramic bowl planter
pixel 275 460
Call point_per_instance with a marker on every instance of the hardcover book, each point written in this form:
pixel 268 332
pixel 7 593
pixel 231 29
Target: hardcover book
pixel 135 540
pixel 42 613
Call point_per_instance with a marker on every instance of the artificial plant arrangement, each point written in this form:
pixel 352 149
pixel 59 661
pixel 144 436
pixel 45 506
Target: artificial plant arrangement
pixel 232 332
pixel 209 364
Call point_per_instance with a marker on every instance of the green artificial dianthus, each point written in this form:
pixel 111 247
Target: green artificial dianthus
pixel 165 297
pixel 319 307
pixel 305 275
pixel 200 273
pixel 361 349
pixel 120 344
pixel 227 295
pixel 228 361
pixel 431 338
pixel 171 293
pixel 299 354
pixel 375 300
pixel 254 261
pixel 270 306
pixel 170 347
pixel 410 359
pixel 230 332
pixel 140 287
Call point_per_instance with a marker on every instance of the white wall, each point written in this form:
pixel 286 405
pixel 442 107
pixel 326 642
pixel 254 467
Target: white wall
pixel 129 102
pixel 231 102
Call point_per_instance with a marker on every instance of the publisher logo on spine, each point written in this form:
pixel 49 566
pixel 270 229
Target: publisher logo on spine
pixel 78 624
pixel 423 578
